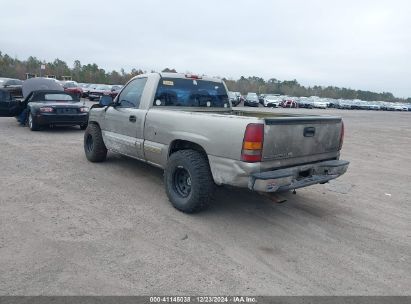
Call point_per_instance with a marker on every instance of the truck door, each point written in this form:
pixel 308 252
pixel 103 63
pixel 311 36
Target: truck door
pixel 123 126
pixel 9 106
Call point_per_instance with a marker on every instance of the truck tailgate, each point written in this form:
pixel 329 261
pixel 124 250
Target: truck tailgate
pixel 289 137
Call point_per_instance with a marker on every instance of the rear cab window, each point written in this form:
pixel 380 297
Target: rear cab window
pixel 181 92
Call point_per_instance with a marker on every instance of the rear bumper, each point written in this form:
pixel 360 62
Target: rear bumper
pixel 55 119
pixel 297 177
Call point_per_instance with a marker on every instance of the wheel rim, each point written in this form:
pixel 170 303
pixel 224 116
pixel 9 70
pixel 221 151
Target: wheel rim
pixel 182 182
pixel 89 143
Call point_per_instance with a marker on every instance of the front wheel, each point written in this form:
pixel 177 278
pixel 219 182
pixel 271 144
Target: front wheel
pixel 188 181
pixel 94 146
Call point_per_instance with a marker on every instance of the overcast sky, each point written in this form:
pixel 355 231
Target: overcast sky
pixel 357 44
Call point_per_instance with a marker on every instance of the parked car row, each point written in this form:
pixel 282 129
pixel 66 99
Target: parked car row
pixel 276 100
pixel 94 92
pixel 369 105
pixel 78 90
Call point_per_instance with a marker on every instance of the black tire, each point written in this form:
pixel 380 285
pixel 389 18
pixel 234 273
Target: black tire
pixel 94 146
pixel 91 99
pixel 189 169
pixel 31 123
pixel 83 127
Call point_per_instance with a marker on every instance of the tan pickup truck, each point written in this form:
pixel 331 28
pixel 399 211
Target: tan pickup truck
pixel 185 124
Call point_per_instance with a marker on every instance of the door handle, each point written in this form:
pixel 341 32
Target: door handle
pixel 132 118
pixel 309 132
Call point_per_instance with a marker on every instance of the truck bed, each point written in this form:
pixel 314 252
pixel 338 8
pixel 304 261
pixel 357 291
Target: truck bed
pixel 286 136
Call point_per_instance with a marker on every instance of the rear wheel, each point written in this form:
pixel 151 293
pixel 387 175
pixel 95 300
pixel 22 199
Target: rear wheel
pixel 94 146
pixel 188 181
pixel 32 124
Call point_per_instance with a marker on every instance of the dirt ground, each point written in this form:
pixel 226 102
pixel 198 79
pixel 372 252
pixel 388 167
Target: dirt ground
pixel 71 227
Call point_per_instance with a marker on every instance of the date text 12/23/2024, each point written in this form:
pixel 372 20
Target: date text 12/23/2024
pixel 203 299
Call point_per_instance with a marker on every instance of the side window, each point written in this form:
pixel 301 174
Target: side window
pixel 5 96
pixel 130 97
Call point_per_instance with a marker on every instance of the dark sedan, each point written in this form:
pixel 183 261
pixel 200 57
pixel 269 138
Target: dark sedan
pixel 10 82
pixel 48 107
pixel 44 108
pixel 251 100
pixel 45 104
pixel 10 104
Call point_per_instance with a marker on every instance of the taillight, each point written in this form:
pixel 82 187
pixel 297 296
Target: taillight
pixel 46 109
pixel 253 143
pixel 342 135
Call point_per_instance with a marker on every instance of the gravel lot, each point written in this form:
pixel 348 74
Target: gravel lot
pixel 70 227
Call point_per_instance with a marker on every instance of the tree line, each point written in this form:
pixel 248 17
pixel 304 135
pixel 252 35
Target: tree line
pixel 92 73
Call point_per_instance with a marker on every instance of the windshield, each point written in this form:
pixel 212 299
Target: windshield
pixel 190 93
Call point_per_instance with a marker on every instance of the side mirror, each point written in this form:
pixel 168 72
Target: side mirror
pixel 105 100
